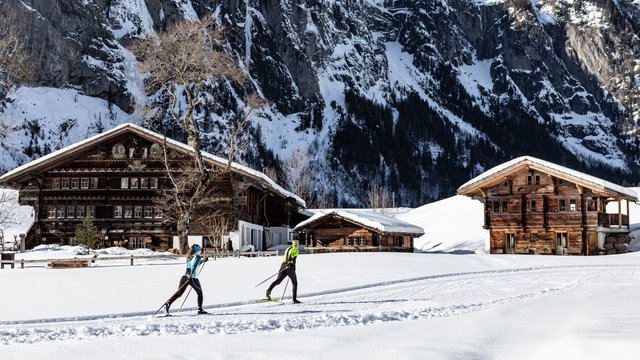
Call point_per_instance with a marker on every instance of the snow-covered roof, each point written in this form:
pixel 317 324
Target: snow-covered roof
pixel 263 179
pixel 556 170
pixel 367 219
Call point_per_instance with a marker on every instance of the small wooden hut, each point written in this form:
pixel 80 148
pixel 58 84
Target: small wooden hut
pixel 356 230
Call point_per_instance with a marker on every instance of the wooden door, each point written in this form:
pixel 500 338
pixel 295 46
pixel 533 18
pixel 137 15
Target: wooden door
pixel 510 243
pixel 562 243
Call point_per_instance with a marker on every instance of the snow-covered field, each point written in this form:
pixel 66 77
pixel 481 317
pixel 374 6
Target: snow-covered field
pixel 452 301
pixel 371 305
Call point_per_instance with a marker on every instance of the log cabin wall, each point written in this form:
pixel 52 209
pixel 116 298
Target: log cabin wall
pixel 532 212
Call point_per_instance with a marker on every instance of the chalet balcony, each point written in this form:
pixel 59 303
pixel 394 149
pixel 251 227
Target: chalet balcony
pixel 611 220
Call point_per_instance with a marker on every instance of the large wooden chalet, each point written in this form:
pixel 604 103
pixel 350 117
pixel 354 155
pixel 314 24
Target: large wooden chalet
pixel 535 206
pixel 356 230
pixel 115 178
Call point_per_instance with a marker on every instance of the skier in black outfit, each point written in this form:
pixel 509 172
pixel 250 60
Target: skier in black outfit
pixel 194 259
pixel 288 268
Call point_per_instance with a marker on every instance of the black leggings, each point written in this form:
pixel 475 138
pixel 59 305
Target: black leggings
pixel 194 283
pixel 291 273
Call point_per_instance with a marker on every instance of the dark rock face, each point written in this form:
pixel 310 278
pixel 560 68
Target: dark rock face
pixel 416 96
pixel 69 44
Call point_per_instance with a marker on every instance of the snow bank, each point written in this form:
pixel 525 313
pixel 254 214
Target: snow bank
pixel 452 225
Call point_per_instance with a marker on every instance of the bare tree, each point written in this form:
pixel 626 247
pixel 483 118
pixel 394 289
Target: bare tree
pixel 378 198
pixel 8 203
pixel 298 174
pixel 181 63
pixel 216 225
pixel 13 60
pixel 271 172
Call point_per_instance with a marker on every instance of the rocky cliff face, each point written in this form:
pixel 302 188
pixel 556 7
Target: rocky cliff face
pixel 415 96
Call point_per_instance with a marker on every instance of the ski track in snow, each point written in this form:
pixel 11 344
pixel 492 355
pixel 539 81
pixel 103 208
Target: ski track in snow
pixel 407 299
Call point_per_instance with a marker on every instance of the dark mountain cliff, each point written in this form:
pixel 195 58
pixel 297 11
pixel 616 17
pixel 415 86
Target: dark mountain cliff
pixel 413 96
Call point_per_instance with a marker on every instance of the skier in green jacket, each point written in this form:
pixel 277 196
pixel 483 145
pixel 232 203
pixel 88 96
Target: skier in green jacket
pixel 288 268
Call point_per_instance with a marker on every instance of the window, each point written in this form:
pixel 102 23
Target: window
pixel 496 206
pixel 60 212
pixel 537 179
pixel 572 205
pixel 94 183
pixel 157 213
pixel 144 183
pixel 505 206
pixel 534 207
pixel 138 212
pixel 132 152
pixel 529 180
pixel 71 212
pixel 128 212
pixel 51 212
pixel 55 183
pixel 91 211
pixel 117 211
pixel 84 183
pixel 153 183
pixel 534 237
pixel 75 183
pixel 65 183
pixel 80 211
pixel 145 153
pixel 560 182
pixel 136 242
pixel 124 183
pixel 562 205
pixel 148 212
pixel 134 183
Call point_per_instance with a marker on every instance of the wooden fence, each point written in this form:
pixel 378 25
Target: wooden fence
pixel 87 261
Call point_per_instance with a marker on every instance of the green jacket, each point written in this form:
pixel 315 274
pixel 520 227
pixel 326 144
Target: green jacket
pixel 290 255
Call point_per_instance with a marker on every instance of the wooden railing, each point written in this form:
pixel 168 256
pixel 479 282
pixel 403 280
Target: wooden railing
pixel 131 258
pixel 609 220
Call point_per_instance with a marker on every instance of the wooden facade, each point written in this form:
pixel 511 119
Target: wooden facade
pixel 344 230
pixel 536 207
pixel 116 178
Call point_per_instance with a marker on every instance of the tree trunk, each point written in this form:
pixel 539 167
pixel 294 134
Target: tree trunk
pixel 183 231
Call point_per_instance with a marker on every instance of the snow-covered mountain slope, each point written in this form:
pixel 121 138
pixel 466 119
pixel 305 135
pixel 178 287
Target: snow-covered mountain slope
pixel 413 96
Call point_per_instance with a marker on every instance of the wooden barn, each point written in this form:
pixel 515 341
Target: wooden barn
pixel 356 230
pixel 116 178
pixel 532 206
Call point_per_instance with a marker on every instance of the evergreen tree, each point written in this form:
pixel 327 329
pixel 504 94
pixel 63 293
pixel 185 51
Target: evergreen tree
pixel 87 234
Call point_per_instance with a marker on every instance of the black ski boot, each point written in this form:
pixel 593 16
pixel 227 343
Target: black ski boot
pixel 295 301
pixel 202 312
pixel 166 309
pixel 268 295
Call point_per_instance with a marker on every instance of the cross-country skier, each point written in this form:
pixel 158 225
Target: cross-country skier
pixel 288 268
pixel 194 259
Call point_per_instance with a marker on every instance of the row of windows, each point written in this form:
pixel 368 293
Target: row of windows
pixel 503 206
pixel 70 212
pixel 139 183
pixel 92 183
pixel 119 212
pixel 74 183
pixel 136 212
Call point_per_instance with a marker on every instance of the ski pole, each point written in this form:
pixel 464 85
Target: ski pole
pixel 191 288
pixel 285 289
pixel 278 273
pixel 180 288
